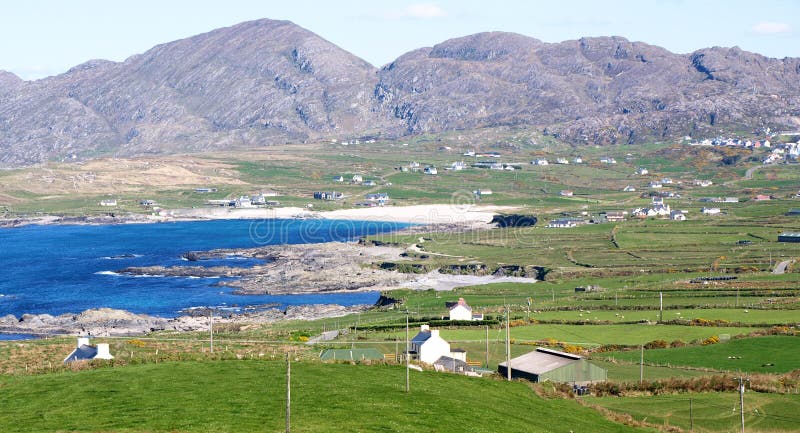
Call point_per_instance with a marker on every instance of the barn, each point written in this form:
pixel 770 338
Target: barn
pixel 543 365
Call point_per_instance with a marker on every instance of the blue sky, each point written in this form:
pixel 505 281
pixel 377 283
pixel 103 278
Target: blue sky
pixel 47 37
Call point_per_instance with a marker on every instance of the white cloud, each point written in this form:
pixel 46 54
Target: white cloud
pixel 771 27
pixel 423 11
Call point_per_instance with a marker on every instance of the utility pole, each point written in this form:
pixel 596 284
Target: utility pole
pixel 288 392
pixel 741 399
pixel 691 417
pixel 211 329
pixel 487 346
pixel 508 346
pixel 408 356
pixel 661 306
pixel 641 366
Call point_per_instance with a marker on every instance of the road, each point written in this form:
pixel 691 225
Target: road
pixel 781 267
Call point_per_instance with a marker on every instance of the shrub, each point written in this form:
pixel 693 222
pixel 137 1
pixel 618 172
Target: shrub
pixel 656 344
pixel 710 340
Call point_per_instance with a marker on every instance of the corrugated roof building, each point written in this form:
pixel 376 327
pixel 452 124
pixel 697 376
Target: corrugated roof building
pixel 544 365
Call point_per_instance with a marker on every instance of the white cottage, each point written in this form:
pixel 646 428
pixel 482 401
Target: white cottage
pixel 460 310
pixel 429 346
pixel 86 352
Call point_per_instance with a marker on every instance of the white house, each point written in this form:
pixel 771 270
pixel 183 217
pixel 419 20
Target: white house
pixel 642 171
pixel 577 160
pixel 243 202
pixel 357 178
pixel 458 165
pixel 86 352
pixel 429 346
pixel 667 181
pixel 710 210
pixel 481 192
pixel 108 203
pixel 431 170
pixel 563 161
pixel 539 161
pixel 629 188
pixel 338 178
pixel 655 184
pixel 566 193
pixel 608 160
pixel 461 311
pixel 562 223
pixel 677 215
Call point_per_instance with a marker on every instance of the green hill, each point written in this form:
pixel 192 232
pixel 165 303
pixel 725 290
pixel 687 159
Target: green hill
pixel 249 396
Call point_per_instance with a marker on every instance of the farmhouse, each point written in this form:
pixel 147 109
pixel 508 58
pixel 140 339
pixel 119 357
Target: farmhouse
pixel 608 160
pixel 431 171
pixel 789 237
pixel 655 184
pixel 762 197
pixel 369 183
pixel 544 365
pixel 481 192
pixel 539 161
pixel 629 188
pixel 338 178
pixel 328 195
pixel 677 215
pixel 642 171
pixel 710 210
pixel 563 161
pixel 86 352
pixel 458 166
pixel 427 346
pixel 577 160
pixel 562 223
pixel 350 354
pixel 108 203
pixel 566 193
pixel 615 216
pixel 380 198
pixel 461 311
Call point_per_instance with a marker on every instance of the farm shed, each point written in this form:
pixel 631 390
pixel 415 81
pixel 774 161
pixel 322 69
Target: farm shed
pixel 544 365
pixel 789 237
pixel 350 354
pixel 86 352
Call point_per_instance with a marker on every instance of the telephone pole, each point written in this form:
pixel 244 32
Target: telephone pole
pixel 641 366
pixel 741 399
pixel 408 356
pixel 508 346
pixel 288 392
pixel 211 329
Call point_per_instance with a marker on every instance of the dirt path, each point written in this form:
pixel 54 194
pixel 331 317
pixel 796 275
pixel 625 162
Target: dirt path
pixel 780 268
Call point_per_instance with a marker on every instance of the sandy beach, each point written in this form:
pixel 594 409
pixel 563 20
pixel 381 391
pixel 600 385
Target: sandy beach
pixel 465 215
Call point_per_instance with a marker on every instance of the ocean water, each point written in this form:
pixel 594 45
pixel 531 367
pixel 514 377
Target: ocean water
pixel 60 269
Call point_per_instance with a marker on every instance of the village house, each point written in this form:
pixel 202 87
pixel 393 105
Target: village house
pixel 368 183
pixel 562 223
pixel 108 203
pixel 482 192
pixel 666 181
pixel 86 352
pixel 608 160
pixel 461 311
pixel 577 160
pixel 431 170
pixel 615 216
pixel 655 184
pixel 629 188
pixel 565 193
pixel 328 195
pixel 243 202
pixel 563 161
pixel 539 161
pixel 380 198
pixel 710 210
pixel 357 178
pixel 338 178
pixel 677 215
pixel 642 171
pixel 703 183
pixel 762 197
pixel 427 346
pixel 458 166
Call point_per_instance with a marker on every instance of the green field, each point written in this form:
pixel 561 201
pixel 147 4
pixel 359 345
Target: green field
pixel 771 354
pixel 711 412
pixel 248 396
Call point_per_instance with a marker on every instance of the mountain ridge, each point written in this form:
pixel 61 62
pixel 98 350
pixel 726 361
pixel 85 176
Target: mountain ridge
pixel 269 81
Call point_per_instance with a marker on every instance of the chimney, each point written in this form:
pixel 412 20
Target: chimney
pixel 424 328
pixel 103 352
pixel 83 341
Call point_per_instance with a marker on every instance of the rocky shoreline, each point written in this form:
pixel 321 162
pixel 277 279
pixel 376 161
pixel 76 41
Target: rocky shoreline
pixel 105 322
pixel 294 269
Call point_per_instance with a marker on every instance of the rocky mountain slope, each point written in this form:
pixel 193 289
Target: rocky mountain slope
pixel 266 82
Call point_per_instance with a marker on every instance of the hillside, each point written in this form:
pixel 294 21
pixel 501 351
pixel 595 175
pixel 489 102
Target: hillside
pixel 269 82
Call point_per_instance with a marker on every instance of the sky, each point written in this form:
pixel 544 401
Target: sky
pixel 39 38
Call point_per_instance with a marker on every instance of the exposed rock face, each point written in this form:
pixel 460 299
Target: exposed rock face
pixel 265 82
pixel 598 90
pixel 257 82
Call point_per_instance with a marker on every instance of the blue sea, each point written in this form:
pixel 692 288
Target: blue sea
pixel 60 269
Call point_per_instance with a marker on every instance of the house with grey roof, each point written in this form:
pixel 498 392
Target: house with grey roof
pixel 86 352
pixel 544 364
